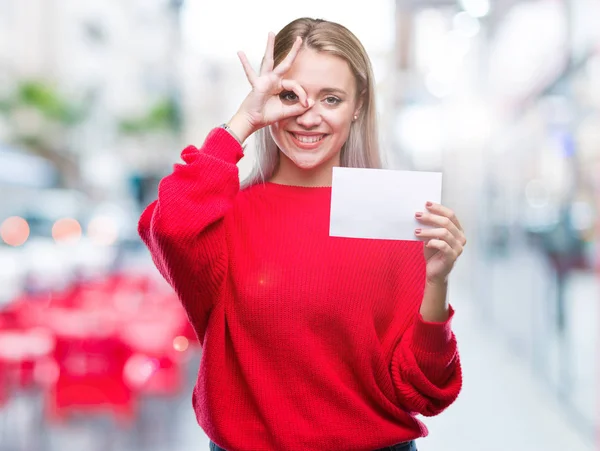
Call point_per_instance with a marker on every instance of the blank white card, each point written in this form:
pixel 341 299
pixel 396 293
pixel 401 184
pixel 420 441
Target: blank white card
pixel 380 203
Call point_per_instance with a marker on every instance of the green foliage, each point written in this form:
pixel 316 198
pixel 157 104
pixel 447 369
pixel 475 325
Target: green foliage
pixel 163 116
pixel 44 98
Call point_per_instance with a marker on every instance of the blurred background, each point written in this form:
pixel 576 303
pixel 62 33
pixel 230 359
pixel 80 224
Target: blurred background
pixel 98 98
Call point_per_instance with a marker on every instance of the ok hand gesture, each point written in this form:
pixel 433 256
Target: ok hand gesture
pixel 263 105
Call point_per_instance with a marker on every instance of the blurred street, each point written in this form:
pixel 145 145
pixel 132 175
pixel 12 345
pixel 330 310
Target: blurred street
pixel 503 405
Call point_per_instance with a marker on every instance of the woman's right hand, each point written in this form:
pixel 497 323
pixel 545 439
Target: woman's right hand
pixel 264 106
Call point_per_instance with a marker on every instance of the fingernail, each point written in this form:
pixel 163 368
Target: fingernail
pixel 418 215
pixel 429 204
pixel 417 231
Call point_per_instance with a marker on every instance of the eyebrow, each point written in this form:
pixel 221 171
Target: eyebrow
pixel 333 91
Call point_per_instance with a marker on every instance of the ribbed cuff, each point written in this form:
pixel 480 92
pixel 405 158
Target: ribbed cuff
pixel 220 144
pixel 432 337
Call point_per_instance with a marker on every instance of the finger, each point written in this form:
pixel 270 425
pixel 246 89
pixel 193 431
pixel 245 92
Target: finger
pixel 439 221
pixel 267 63
pixel 441 210
pixel 250 74
pixel 297 108
pixel 443 247
pixel 285 65
pixel 294 110
pixel 291 85
pixel 443 235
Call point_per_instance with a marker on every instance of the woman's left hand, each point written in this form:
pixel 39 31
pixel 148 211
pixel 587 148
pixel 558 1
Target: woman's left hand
pixel 443 244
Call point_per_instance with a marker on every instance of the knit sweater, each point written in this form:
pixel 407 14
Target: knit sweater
pixel 309 342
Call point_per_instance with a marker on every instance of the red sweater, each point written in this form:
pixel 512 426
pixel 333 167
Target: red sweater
pixel 310 342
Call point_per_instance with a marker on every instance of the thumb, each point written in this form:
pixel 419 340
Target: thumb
pixel 297 109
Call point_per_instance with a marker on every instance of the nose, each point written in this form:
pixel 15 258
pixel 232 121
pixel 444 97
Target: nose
pixel 311 118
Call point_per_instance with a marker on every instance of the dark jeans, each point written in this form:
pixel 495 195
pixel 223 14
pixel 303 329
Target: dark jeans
pixel 406 446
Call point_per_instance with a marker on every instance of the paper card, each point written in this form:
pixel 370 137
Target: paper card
pixel 380 203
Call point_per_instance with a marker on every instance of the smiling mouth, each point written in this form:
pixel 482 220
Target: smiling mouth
pixel 308 139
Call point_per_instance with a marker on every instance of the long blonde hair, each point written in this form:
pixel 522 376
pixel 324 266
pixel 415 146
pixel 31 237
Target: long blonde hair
pixel 361 149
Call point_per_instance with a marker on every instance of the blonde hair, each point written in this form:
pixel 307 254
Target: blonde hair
pixel 361 149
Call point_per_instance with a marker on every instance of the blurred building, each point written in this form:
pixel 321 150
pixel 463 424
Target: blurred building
pixel 503 97
pixel 116 63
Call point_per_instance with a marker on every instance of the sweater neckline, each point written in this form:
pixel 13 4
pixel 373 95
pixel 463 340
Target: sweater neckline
pixel 294 190
pixel 283 186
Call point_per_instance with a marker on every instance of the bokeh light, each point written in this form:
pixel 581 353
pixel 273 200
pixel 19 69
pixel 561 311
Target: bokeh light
pixel 66 230
pixel 14 231
pixel 476 8
pixel 466 24
pixel 139 369
pixel 180 343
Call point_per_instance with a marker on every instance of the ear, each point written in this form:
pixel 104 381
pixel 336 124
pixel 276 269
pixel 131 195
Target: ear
pixel 359 102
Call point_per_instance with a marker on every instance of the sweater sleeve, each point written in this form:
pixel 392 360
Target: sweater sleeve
pixel 426 367
pixel 184 228
pixel 425 364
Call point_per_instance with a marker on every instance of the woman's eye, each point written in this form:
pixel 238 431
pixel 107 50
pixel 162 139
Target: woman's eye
pixel 332 100
pixel 288 96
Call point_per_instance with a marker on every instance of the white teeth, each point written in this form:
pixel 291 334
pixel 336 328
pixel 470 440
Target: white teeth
pixel 309 139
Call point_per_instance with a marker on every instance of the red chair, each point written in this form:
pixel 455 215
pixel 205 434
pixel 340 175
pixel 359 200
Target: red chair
pixel 90 371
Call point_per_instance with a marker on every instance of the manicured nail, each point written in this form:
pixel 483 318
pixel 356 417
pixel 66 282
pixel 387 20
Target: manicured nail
pixel 417 231
pixel 418 215
pixel 429 204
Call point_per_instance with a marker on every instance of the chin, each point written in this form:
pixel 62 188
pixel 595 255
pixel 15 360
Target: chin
pixel 307 165
pixel 313 161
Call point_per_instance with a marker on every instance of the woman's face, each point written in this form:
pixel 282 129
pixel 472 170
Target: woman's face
pixel 316 137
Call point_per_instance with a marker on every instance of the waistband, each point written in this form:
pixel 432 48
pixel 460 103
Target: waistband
pixel 404 446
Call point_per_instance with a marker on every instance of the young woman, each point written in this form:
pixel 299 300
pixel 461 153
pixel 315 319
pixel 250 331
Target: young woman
pixel 310 342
